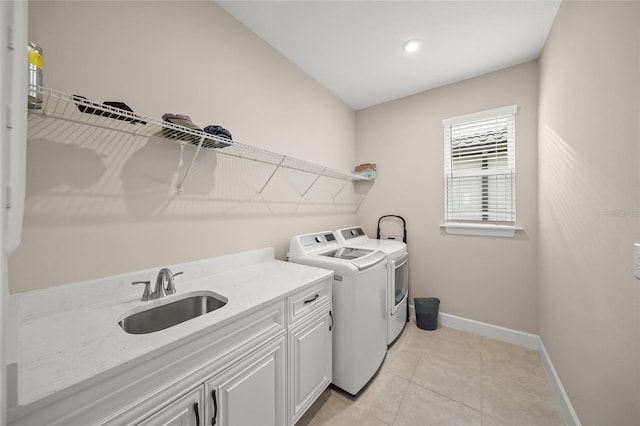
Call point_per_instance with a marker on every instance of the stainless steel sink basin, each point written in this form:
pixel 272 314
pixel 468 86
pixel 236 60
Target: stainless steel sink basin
pixel 171 313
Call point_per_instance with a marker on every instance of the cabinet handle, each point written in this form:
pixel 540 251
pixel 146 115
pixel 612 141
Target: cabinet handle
pixel 313 299
pixel 197 410
pixel 331 325
pixel 215 407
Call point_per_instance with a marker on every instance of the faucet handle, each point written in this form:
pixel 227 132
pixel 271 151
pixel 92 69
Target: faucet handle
pixel 171 288
pixel 147 290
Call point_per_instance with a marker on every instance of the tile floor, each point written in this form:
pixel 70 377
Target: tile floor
pixel 446 377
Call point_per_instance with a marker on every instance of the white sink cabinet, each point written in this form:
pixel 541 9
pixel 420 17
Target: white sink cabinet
pixel 262 359
pixel 248 380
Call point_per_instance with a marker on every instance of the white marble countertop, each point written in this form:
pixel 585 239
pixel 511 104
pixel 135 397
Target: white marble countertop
pixel 68 335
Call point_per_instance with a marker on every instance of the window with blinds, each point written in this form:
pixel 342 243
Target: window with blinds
pixel 480 166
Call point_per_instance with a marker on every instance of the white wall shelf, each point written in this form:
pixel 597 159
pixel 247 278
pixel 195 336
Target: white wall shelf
pixel 69 108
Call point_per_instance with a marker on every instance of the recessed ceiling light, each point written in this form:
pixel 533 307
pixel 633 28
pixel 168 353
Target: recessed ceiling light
pixel 411 46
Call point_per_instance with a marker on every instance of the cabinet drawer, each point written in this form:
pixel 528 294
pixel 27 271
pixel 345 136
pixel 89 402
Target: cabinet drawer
pixel 185 411
pixel 308 300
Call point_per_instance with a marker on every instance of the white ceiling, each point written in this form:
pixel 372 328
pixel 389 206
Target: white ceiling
pixel 354 48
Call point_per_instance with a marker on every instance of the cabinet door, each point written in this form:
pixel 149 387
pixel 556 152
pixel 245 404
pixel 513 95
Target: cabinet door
pixel 185 411
pixel 310 362
pixel 251 392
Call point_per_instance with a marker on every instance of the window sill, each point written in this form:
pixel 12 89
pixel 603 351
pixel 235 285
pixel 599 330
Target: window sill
pixel 487 230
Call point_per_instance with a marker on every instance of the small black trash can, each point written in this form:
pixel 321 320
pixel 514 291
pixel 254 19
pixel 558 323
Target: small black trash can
pixel 427 312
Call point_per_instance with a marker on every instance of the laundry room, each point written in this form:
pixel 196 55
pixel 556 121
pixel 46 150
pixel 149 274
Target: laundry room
pixel 119 181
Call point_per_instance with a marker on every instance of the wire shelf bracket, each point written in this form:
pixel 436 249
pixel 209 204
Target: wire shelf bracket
pixel 272 174
pixel 313 183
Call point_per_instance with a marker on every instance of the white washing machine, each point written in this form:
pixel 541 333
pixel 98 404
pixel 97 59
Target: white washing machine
pixel 359 298
pixel 397 274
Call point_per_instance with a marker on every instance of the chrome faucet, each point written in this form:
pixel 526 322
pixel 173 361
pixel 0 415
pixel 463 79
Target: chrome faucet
pixel 164 274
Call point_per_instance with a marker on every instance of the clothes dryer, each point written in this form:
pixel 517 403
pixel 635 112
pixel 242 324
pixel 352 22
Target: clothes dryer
pixel 397 274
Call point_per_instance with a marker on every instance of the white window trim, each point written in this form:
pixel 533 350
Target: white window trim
pixel 486 230
pixel 511 109
pixel 480 229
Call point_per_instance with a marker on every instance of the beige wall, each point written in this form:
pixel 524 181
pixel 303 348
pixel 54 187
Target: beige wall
pixel 100 204
pixel 488 279
pixel 589 207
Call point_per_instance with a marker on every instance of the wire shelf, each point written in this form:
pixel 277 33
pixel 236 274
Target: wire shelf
pixel 79 110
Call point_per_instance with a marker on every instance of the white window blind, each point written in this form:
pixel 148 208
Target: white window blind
pixel 480 166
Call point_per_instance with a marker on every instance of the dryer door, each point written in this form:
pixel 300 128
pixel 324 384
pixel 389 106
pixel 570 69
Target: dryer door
pixel 400 274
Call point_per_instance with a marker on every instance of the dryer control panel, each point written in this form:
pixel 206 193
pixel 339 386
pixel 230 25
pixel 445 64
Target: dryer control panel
pixel 350 233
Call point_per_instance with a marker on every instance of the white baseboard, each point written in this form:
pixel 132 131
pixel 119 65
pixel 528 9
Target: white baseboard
pixel 570 415
pixel 519 338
